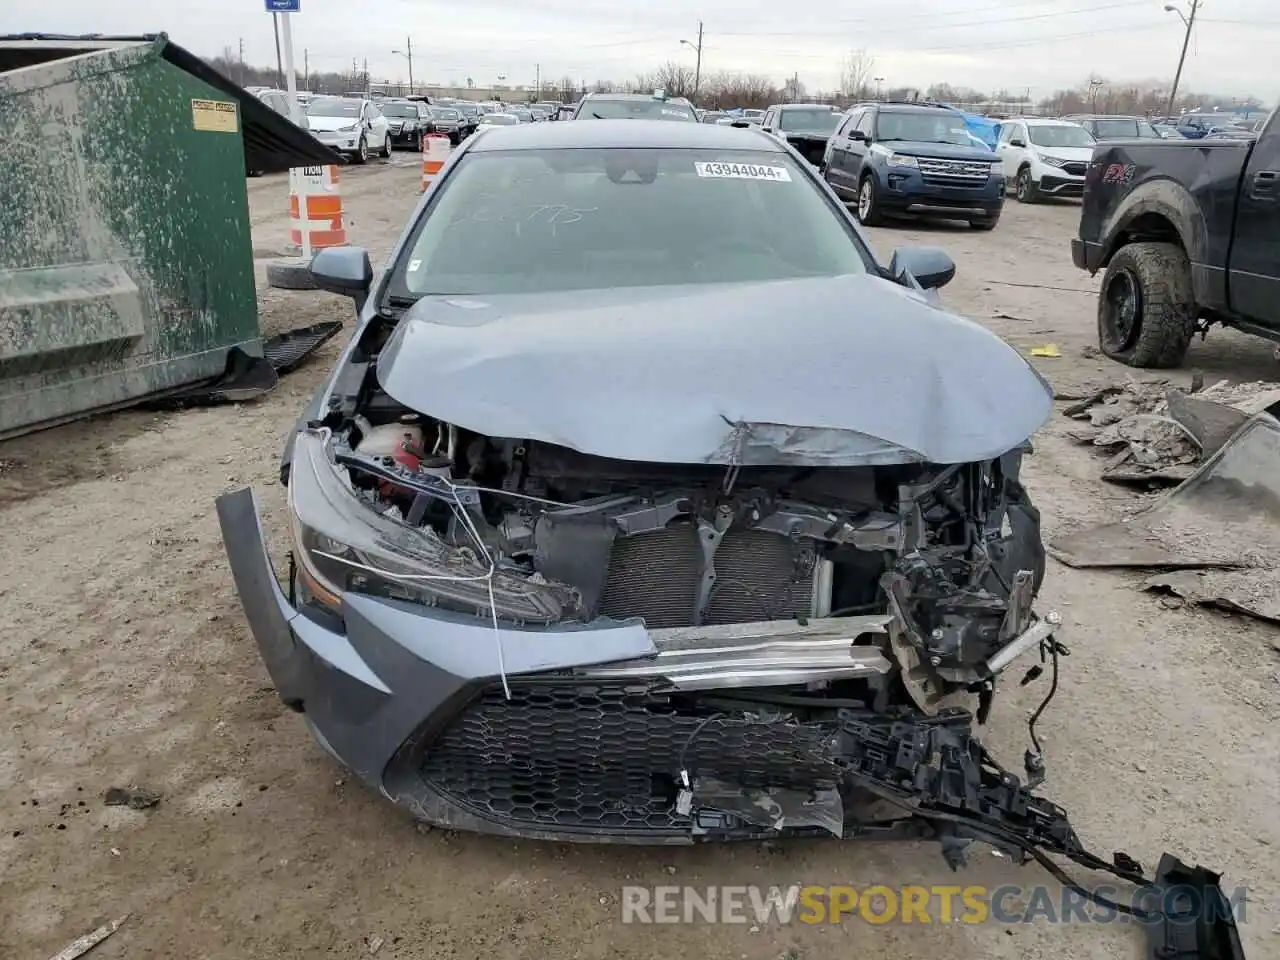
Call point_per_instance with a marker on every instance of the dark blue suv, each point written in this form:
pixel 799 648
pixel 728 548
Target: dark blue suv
pixel 913 159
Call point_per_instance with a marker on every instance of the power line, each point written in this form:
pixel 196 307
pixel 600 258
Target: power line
pixel 997 21
pixel 1113 30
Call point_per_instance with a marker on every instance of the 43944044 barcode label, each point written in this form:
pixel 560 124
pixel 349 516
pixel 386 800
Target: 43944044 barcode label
pixel 742 171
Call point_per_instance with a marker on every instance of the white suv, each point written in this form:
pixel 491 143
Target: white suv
pixel 1044 157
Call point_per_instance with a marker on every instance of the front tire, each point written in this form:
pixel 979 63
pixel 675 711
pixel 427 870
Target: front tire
pixel 868 209
pixel 1026 190
pixel 1146 309
pixel 386 147
pixel 362 151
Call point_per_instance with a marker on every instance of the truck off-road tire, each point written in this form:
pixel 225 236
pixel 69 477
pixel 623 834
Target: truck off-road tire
pixel 1025 188
pixel 1146 308
pixel 985 223
pixel 867 209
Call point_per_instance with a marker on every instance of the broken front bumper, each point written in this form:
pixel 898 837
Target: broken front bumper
pixel 590 740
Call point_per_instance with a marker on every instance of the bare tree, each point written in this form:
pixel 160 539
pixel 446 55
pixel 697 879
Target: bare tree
pixel 793 89
pixel 675 79
pixel 855 74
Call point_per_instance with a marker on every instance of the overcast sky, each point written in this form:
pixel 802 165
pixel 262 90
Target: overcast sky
pixel 1041 44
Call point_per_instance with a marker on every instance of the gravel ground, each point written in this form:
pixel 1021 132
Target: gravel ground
pixel 127 661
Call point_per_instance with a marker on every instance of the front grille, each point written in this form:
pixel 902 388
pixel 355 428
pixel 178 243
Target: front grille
pixel 954 173
pixel 1076 168
pixel 608 756
pixel 759 576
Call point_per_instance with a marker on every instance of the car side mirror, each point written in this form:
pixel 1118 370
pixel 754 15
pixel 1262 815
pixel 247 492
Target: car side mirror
pixel 930 267
pixel 857 135
pixel 344 270
pixel 1017 142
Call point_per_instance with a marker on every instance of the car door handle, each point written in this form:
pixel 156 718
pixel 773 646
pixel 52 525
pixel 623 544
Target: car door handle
pixel 1264 184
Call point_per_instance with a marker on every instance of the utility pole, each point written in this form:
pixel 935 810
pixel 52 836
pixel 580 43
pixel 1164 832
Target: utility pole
pixel 275 23
pixel 365 73
pixel 1186 40
pixel 697 66
pixel 242 61
pixel 537 72
pixel 408 45
pixel 306 68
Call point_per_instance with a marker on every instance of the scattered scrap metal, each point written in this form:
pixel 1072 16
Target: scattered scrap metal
pixel 82 945
pixel 1216 537
pixel 135 798
pixel 1154 433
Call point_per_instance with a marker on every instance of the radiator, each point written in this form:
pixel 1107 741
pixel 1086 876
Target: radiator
pixel 759 576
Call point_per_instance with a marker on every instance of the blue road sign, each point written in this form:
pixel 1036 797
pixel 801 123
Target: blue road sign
pixel 284 6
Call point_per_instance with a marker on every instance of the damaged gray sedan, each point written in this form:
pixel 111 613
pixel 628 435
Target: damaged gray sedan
pixel 645 506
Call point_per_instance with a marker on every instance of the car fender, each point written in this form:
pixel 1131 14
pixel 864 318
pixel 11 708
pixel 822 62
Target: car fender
pixel 1152 208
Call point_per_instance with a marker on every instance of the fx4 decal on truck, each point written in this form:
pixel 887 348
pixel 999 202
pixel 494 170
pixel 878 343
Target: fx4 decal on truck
pixel 1119 173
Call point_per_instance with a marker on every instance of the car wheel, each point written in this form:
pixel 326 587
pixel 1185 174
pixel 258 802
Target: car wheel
pixel 1146 309
pixel 362 152
pixel 1026 187
pixel 869 203
pixel 985 223
pixel 386 148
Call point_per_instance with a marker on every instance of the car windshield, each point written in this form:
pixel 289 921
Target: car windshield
pixel 816 120
pixel 645 109
pixel 399 109
pixel 711 117
pixel 925 127
pixel 469 109
pixel 498 119
pixel 1059 135
pixel 333 107
pixel 1116 128
pixel 533 221
pixel 444 113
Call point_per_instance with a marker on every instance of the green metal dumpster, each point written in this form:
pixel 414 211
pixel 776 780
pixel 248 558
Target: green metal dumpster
pixel 126 265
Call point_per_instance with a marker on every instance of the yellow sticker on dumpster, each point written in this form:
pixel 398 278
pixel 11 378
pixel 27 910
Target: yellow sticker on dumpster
pixel 218 116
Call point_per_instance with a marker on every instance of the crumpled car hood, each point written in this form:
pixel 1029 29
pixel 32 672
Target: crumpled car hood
pixel 836 371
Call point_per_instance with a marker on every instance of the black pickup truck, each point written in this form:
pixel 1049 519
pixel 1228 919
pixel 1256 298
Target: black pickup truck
pixel 1188 232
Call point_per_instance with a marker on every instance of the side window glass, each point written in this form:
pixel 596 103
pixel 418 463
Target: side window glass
pixel 867 123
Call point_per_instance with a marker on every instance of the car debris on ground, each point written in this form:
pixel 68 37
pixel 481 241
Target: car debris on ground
pixel 135 798
pixel 1215 539
pixel 83 944
pixel 1155 433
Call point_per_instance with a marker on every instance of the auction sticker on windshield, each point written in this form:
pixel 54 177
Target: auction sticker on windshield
pixel 742 171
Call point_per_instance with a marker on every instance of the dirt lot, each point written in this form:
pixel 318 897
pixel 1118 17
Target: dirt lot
pixel 126 660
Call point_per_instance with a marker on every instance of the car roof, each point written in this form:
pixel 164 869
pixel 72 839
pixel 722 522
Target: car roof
pixel 634 96
pixel 805 106
pixel 635 134
pixel 1046 121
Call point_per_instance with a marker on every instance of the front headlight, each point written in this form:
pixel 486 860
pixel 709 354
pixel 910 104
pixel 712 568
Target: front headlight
pixel 410 125
pixel 1053 161
pixel 342 545
pixel 350 129
pixel 899 160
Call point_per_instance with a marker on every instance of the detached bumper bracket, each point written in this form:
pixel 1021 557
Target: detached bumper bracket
pixel 1206 930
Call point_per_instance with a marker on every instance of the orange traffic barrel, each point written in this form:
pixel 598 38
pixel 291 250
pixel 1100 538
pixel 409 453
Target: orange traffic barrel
pixel 315 209
pixel 435 151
